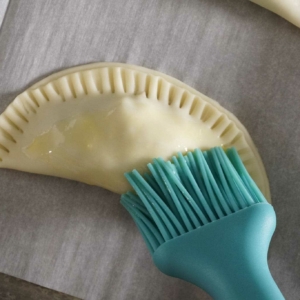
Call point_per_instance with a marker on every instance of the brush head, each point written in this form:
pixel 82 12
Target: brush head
pixel 188 192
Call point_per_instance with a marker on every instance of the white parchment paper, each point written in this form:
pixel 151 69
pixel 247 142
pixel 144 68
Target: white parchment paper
pixel 77 238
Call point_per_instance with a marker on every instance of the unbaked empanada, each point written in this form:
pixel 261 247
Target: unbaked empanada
pixel 95 122
pixel 288 9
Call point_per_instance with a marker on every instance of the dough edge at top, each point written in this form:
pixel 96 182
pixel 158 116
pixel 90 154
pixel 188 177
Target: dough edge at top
pixel 284 8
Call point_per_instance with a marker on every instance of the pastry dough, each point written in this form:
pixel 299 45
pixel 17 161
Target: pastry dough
pixel 95 122
pixel 288 9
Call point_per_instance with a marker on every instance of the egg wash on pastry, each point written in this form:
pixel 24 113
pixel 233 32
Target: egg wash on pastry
pixel 94 123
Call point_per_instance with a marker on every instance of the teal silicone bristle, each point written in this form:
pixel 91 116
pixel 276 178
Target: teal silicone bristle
pixel 187 193
pixel 205 221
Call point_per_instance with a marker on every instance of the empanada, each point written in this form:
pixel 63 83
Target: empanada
pixel 288 9
pixel 95 122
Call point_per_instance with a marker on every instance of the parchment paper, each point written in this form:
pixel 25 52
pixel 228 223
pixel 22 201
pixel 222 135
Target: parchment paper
pixel 76 238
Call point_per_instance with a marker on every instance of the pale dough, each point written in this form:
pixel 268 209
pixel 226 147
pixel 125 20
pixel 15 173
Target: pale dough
pixel 95 122
pixel 288 9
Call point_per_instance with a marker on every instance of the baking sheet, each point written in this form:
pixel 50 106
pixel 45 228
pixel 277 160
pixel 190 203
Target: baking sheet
pixel 15 288
pixel 76 238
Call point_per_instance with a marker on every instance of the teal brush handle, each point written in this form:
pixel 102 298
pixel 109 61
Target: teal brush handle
pixel 226 258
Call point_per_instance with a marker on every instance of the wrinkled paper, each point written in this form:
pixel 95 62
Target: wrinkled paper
pixel 76 238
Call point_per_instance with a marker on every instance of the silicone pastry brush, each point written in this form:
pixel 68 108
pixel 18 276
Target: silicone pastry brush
pixel 205 221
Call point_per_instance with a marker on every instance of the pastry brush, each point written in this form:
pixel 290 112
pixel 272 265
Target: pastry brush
pixel 205 221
